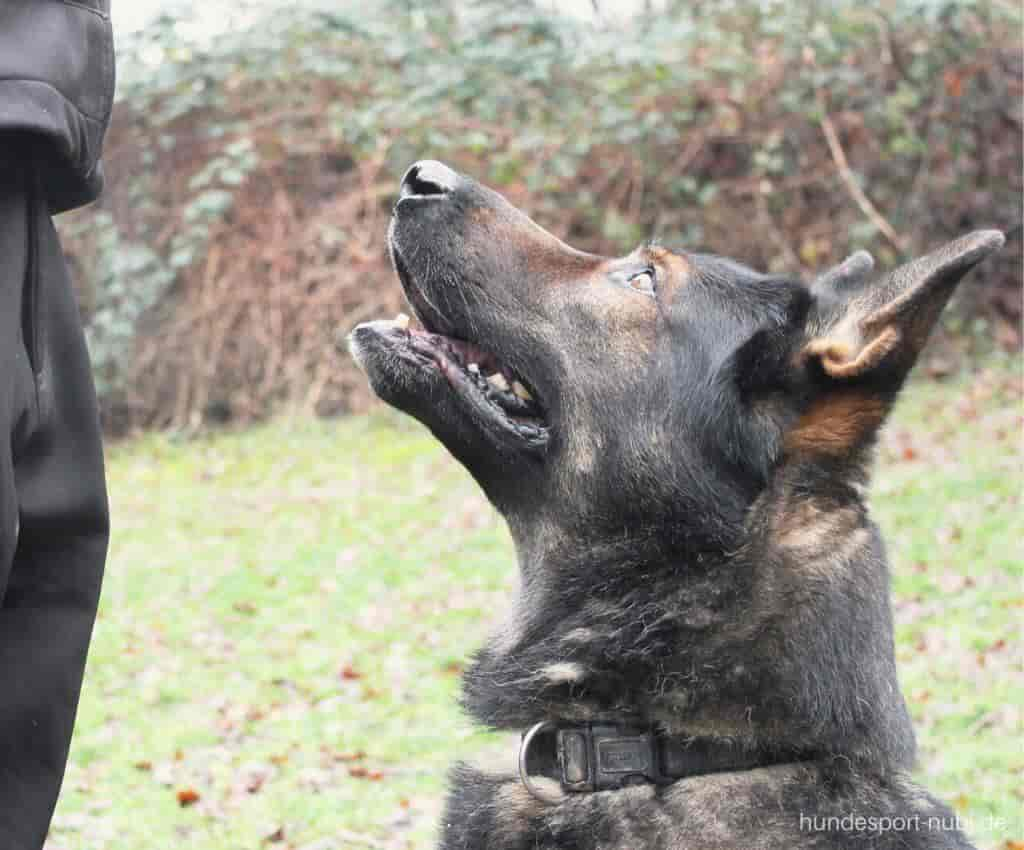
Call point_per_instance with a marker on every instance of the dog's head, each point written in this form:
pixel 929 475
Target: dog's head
pixel 623 397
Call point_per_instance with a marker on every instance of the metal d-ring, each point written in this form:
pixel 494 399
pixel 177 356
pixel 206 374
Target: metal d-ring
pixel 524 776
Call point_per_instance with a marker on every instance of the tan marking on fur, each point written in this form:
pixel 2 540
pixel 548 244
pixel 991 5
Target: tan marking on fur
pixel 835 423
pixel 812 539
pixel 819 540
pixel 658 254
pixel 563 671
pixel 841 359
pixel 807 524
pixel 675 270
pixel 852 544
pixel 545 254
pixel 801 526
pixel 514 805
pixel 630 328
pixel 628 321
pixel 500 761
pixel 837 557
pixel 829 350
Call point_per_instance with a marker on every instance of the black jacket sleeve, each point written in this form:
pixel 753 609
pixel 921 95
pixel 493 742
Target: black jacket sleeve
pixel 57 84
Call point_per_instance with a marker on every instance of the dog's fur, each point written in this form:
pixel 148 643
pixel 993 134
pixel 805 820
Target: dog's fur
pixel 688 506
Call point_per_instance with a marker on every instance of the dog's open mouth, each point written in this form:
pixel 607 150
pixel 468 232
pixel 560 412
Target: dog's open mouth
pixel 500 400
pixel 463 362
pixel 496 396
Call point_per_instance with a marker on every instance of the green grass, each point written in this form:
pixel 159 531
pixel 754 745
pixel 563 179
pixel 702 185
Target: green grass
pixel 285 611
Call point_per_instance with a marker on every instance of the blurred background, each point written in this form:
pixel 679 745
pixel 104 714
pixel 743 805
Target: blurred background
pixel 297 576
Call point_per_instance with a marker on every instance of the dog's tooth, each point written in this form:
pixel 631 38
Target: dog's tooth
pixel 474 368
pixel 521 391
pixel 402 321
pixel 497 380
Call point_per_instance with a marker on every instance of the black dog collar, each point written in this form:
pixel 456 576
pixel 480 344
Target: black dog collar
pixel 606 756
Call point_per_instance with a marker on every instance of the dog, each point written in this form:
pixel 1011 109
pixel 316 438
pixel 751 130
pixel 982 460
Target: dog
pixel 700 655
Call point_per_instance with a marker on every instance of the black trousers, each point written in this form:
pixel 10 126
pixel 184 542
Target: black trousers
pixel 53 506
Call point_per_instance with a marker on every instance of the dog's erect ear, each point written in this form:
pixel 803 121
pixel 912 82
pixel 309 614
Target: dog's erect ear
pixel 861 329
pixel 864 336
pixel 762 363
pixel 851 272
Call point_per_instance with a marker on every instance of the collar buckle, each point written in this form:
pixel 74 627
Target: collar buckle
pixel 594 757
pixel 605 756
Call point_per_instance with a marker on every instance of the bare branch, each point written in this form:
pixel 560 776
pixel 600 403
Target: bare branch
pixel 850 181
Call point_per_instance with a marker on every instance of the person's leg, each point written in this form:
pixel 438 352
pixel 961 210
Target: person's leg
pixel 51 471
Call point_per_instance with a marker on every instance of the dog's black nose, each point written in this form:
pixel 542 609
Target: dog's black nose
pixel 428 177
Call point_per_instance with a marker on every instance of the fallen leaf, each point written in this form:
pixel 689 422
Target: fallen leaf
pixel 145 765
pixel 939 367
pixel 255 776
pixel 953 81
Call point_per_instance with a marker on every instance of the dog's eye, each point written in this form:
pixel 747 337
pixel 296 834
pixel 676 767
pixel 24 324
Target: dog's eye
pixel 643 282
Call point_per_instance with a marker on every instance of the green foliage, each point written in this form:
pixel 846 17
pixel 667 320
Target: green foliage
pixel 700 124
pixel 128 280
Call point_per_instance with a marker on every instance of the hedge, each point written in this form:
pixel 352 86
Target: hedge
pixel 251 174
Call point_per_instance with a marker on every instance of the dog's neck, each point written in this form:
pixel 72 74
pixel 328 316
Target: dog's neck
pixel 787 641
